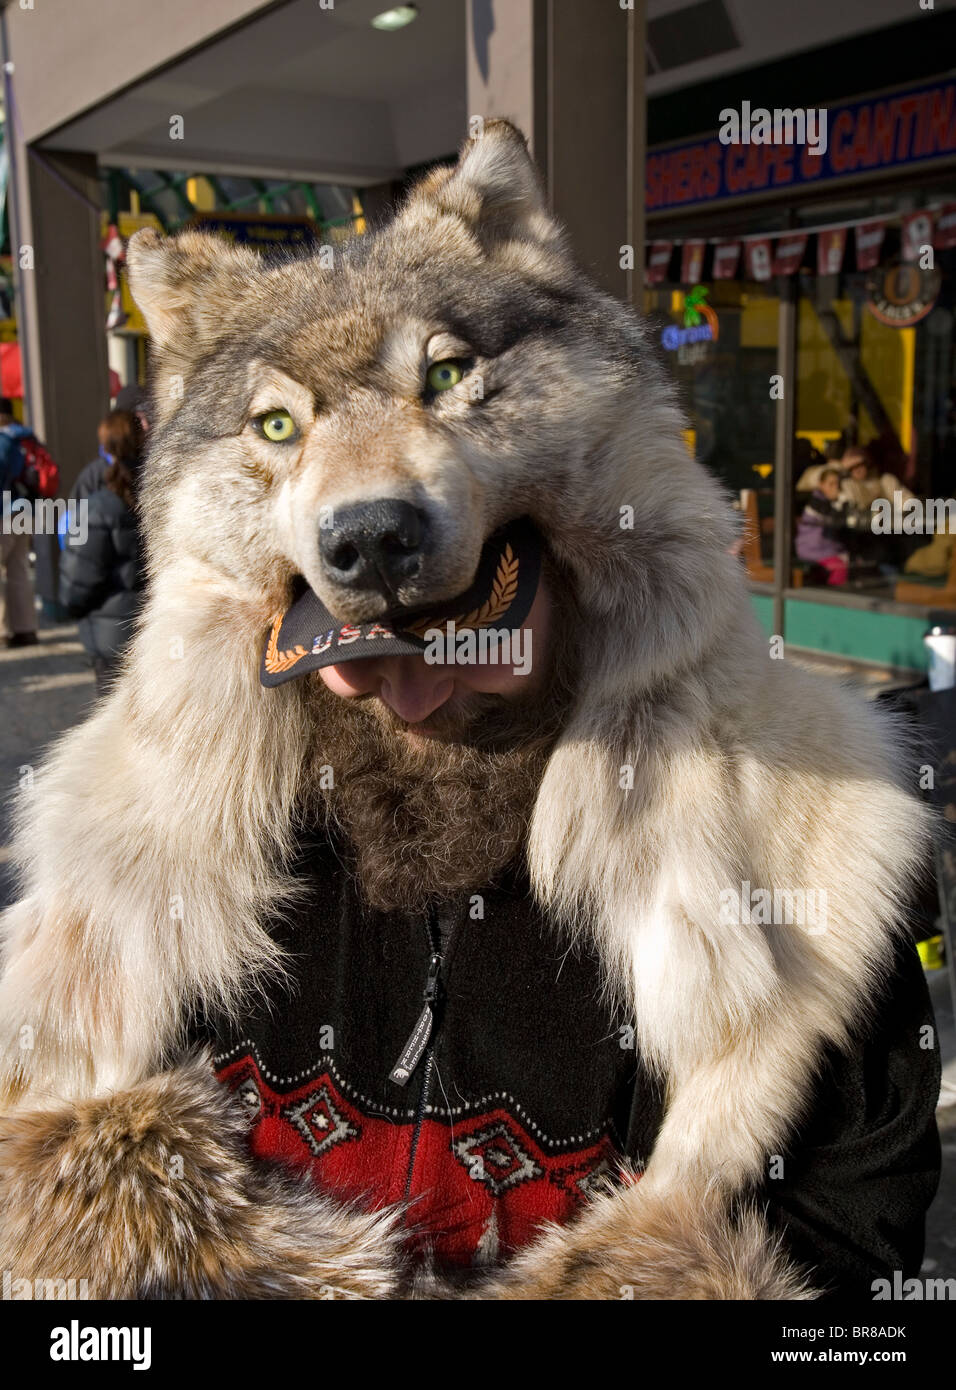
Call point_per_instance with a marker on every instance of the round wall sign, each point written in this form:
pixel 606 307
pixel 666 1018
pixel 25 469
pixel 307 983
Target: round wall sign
pixel 900 294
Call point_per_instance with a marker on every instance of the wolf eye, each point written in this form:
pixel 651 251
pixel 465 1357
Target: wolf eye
pixel 442 376
pixel 278 426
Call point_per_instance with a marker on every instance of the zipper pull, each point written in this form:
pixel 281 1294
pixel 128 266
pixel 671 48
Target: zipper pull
pixel 431 979
pixel 414 1049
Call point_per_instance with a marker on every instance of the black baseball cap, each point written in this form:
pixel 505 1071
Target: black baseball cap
pixel 307 636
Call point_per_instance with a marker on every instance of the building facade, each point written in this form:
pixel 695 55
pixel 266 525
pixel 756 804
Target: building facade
pixel 803 297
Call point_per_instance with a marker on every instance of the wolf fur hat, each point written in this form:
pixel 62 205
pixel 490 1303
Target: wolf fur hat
pixel 152 845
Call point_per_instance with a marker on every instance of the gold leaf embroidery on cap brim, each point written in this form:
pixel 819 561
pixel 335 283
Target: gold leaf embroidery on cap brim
pixel 277 661
pixel 503 592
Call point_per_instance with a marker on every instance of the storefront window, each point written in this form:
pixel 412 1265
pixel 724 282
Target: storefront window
pixel 870 361
pixel 720 340
pixel 874 454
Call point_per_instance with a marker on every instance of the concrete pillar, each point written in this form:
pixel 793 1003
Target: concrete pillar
pixel 507 66
pixel 64 305
pixel 61 316
pixel 571 75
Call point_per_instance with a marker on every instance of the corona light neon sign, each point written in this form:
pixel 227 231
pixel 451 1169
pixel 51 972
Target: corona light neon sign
pixel 700 323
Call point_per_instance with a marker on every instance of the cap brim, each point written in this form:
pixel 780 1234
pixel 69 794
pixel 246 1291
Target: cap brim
pixel 307 636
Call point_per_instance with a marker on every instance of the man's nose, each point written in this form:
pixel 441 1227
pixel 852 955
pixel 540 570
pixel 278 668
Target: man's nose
pixel 374 546
pixel 413 689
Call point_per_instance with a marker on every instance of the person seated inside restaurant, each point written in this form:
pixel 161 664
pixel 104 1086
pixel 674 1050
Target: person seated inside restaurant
pixel 822 529
pixel 864 483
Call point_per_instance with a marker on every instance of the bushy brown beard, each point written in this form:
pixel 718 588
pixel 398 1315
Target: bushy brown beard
pixel 428 819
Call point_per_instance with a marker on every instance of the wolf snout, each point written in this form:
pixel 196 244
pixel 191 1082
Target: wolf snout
pixel 374 547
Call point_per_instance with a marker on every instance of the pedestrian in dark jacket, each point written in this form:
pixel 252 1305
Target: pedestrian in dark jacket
pixel 18 619
pixel 90 478
pixel 102 573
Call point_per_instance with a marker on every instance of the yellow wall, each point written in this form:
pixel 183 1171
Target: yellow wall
pixel 758 322
pixel 887 356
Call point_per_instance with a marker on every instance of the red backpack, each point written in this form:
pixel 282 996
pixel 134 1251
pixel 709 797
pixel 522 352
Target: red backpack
pixel 40 476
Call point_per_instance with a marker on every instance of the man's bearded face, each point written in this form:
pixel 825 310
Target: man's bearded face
pixel 439 805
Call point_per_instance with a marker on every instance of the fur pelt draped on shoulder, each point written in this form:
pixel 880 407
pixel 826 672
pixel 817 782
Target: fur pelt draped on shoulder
pixel 150 1194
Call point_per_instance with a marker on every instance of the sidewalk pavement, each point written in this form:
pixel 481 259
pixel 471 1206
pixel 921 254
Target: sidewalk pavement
pixel 45 690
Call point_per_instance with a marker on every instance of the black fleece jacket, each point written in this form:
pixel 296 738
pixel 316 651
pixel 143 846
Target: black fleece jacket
pixel 524 1087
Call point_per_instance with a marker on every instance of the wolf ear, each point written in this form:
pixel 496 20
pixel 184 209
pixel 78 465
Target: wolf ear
pixel 182 284
pixel 494 188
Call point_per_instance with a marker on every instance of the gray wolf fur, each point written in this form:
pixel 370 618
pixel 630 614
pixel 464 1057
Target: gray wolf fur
pixel 153 844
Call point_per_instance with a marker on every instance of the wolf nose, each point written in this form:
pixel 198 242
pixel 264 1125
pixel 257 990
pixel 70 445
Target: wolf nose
pixel 374 545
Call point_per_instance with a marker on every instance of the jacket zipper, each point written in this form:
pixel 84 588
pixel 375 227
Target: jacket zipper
pixel 421 1043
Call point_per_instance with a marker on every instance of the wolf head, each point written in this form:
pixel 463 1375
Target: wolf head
pixel 366 419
